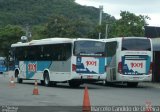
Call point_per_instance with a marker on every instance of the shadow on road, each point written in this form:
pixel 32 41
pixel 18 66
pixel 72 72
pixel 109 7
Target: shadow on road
pixel 62 85
pixel 121 85
pixel 91 85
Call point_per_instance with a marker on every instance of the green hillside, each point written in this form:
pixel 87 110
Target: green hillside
pixel 45 19
pixel 60 18
pixel 33 12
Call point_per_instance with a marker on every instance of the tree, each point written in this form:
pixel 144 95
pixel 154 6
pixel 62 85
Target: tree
pixel 60 26
pixel 107 20
pixel 38 32
pixel 130 25
pixel 9 35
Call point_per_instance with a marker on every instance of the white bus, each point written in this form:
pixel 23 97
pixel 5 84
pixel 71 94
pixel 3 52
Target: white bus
pixel 56 60
pixel 129 60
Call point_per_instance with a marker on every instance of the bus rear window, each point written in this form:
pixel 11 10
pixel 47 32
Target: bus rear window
pixel 136 44
pixel 89 48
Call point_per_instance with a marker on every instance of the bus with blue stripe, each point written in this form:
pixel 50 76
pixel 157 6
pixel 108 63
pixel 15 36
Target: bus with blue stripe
pixel 55 60
pixel 3 65
pixel 129 60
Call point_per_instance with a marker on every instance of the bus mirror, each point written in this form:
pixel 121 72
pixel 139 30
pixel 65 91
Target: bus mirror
pixel 9 52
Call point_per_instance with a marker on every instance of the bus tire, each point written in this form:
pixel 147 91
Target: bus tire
pixel 74 84
pixel 47 81
pixel 54 84
pixel 16 74
pixel 42 82
pixel 132 84
pixel 19 80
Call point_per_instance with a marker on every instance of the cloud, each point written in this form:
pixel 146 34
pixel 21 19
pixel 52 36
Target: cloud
pixel 139 7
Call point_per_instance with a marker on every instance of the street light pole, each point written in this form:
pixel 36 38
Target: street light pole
pixel 100 18
pixel 106 30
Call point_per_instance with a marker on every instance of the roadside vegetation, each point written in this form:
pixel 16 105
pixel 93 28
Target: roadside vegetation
pixel 61 18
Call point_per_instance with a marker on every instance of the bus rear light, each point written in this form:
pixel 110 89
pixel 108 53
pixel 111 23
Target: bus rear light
pixel 73 67
pixel 150 69
pixel 120 67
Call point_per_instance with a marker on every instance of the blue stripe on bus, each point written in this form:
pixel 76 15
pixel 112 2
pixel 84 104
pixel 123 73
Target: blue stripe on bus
pixel 39 66
pixel 101 65
pixel 148 62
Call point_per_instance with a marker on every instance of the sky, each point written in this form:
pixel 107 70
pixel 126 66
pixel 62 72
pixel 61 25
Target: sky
pixel 149 8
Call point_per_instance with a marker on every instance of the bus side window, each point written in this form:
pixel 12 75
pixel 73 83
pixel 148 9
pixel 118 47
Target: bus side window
pixel 111 48
pixel 67 52
pixel 41 53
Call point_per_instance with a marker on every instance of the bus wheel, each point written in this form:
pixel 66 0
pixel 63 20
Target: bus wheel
pixel 132 84
pixel 19 80
pixel 54 84
pixel 74 84
pixel 47 80
pixel 16 73
pixel 42 82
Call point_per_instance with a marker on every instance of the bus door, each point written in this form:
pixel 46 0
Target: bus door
pixel 22 68
pixel 111 68
pixel 111 48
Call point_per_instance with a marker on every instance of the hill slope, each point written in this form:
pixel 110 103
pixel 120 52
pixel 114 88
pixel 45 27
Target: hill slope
pixel 21 12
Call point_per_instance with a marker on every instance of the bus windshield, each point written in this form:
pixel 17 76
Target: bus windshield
pixel 2 62
pixel 136 44
pixel 89 48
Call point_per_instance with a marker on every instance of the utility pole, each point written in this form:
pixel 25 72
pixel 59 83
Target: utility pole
pixel 100 18
pixel 28 33
pixel 106 31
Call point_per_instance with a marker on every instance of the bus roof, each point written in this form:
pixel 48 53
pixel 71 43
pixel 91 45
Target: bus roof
pixel 43 42
pixel 49 41
pixel 120 38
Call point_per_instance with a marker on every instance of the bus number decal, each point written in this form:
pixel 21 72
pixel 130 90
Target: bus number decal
pixel 134 65
pixel 92 63
pixel 32 67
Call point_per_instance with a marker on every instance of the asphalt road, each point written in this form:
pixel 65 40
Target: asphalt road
pixel 63 97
